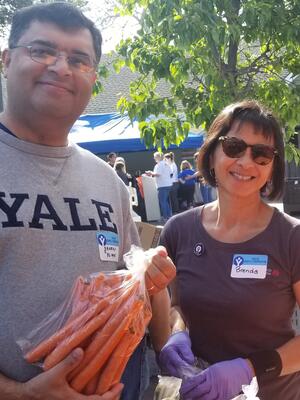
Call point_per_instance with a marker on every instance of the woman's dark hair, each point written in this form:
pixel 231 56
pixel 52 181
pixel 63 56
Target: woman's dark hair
pixel 248 111
pixel 64 15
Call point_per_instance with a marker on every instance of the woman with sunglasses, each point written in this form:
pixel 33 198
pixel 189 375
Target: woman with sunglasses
pixel 238 268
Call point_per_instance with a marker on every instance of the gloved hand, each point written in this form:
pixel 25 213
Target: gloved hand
pixel 176 354
pixel 221 381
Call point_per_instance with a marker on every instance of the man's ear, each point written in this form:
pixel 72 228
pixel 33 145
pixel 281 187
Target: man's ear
pixel 5 58
pixel 95 77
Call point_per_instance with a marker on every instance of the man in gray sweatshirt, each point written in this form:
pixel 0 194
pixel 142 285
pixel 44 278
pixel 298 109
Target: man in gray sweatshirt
pixel 63 211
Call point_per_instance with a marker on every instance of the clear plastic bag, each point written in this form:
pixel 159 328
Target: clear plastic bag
pixel 169 386
pixel 106 314
pixel 249 391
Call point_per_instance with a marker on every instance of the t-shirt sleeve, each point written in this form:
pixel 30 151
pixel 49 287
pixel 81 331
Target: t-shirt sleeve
pixel 159 168
pixel 167 239
pixel 295 253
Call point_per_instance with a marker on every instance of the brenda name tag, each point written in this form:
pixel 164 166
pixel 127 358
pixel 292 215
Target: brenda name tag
pixel 249 266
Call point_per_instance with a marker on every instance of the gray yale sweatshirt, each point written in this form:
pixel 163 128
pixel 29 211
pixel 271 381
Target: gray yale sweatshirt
pixel 63 213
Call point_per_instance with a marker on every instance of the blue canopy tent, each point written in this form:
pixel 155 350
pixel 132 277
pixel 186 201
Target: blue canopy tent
pixel 102 133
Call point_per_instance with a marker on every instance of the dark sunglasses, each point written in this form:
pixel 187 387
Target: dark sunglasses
pixel 233 147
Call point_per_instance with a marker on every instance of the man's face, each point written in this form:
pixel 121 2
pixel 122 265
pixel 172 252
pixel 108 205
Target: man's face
pixel 113 159
pixel 56 91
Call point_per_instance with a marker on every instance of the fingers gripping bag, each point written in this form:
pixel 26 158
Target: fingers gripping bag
pixel 106 314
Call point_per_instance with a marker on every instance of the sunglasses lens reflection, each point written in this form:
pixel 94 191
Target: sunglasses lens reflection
pixel 233 147
pixel 236 148
pixel 262 154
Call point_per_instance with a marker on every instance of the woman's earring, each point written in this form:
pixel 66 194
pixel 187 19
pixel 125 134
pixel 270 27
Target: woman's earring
pixel 267 188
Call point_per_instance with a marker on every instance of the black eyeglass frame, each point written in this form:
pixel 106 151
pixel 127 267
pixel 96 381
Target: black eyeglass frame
pixel 58 54
pixel 256 150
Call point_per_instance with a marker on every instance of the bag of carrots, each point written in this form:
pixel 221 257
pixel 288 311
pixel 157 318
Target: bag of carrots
pixel 106 314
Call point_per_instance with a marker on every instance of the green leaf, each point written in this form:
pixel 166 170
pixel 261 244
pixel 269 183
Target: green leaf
pixel 211 53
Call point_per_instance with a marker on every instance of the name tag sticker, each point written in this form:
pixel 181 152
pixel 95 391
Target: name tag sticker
pixel 249 266
pixel 108 243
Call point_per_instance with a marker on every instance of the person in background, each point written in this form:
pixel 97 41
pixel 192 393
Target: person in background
pixel 205 188
pixel 120 169
pixel 170 159
pixel 187 186
pixel 131 181
pixel 162 174
pixel 140 209
pixel 238 267
pixel 111 158
pixel 67 214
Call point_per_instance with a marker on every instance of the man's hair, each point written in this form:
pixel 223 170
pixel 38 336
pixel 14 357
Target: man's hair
pixel 64 15
pixel 170 155
pixel 111 155
pixel 157 154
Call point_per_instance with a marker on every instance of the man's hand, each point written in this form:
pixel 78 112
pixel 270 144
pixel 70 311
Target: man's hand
pixel 176 355
pixel 53 384
pixel 160 272
pixel 221 381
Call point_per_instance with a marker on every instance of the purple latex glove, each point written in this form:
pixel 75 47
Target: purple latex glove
pixel 221 381
pixel 176 354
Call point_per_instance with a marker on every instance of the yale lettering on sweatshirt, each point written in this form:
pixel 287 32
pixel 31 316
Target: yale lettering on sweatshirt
pixel 43 210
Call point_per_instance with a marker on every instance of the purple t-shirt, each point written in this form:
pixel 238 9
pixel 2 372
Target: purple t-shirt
pixel 232 317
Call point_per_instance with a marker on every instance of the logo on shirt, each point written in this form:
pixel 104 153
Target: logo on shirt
pixel 199 249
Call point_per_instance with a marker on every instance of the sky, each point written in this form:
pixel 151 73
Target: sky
pixel 121 28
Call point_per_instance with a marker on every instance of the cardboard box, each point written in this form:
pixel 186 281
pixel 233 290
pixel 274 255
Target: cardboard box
pixel 149 234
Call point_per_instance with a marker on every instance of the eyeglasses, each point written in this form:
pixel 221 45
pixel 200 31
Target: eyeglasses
pixel 48 56
pixel 233 147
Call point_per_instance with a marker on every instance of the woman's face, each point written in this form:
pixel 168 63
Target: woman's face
pixel 242 177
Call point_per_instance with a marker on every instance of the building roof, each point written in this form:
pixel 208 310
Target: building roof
pixel 115 86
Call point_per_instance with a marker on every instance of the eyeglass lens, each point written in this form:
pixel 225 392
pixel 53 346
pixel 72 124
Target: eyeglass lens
pixel 48 56
pixel 235 148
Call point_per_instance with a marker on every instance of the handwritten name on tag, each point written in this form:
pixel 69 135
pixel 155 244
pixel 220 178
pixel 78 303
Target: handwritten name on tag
pixel 249 266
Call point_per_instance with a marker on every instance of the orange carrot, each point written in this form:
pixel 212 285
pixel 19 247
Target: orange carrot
pixel 137 330
pixel 79 299
pixel 84 376
pixel 115 365
pixel 69 343
pixel 49 344
pixel 91 386
pixel 114 368
pixel 100 337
